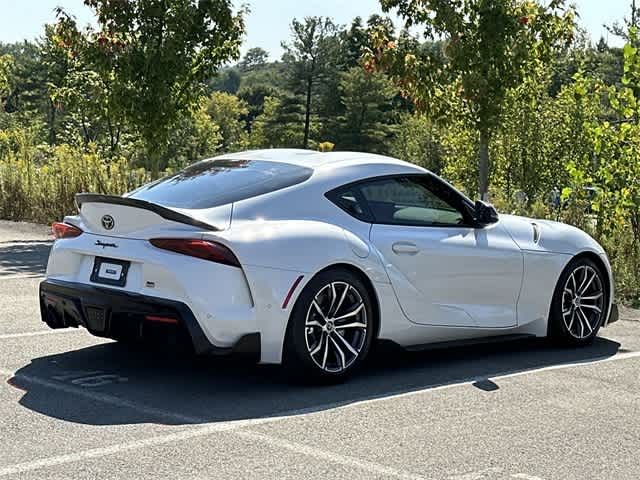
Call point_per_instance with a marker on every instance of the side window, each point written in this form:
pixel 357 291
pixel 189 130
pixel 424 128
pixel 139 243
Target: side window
pixel 408 201
pixel 350 201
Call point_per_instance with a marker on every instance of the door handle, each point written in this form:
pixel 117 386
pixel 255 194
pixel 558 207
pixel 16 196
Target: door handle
pixel 407 248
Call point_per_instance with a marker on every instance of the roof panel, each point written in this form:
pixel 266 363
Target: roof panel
pixel 310 158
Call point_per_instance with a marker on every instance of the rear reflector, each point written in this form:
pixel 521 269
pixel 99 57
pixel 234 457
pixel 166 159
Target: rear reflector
pixel 211 251
pixel 64 230
pixel 154 318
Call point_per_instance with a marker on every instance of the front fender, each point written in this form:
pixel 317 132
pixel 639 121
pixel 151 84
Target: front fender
pixel 549 236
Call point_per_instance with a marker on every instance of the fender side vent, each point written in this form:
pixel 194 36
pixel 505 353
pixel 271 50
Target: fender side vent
pixel 536 232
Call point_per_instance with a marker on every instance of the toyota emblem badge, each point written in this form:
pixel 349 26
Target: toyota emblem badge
pixel 108 222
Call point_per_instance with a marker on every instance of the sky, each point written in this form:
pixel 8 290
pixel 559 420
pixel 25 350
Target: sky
pixel 268 21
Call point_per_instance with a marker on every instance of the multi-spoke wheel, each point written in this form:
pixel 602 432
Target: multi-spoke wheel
pixel 579 303
pixel 331 326
pixel 336 326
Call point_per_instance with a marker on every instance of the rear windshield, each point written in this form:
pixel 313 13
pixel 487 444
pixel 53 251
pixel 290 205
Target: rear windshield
pixel 211 183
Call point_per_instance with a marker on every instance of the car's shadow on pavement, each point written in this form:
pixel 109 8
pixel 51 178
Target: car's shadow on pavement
pixel 24 257
pixel 199 390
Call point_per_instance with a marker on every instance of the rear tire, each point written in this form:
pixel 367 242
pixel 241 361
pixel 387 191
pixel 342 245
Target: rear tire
pixel 331 328
pixel 579 304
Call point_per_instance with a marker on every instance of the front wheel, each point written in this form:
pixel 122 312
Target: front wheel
pixel 331 327
pixel 579 303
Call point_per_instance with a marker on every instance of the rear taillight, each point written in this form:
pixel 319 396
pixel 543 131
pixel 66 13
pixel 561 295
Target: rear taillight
pixel 64 230
pixel 211 251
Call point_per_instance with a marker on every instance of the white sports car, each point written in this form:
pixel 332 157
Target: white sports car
pixel 307 258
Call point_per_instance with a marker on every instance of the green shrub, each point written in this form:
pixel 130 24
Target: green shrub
pixel 39 184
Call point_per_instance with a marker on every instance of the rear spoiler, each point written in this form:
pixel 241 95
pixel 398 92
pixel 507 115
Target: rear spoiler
pixel 164 212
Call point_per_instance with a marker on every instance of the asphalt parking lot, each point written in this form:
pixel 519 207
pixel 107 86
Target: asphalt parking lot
pixel 75 406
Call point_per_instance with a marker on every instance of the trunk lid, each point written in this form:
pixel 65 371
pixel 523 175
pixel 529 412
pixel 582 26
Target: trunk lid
pixel 138 219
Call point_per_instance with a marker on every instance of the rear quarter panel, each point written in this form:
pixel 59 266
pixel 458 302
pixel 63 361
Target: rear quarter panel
pixel 299 245
pixel 274 254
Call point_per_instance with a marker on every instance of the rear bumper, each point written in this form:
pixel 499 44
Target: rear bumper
pixel 117 314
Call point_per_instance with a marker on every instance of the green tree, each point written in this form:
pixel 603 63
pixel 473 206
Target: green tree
pixel 84 107
pixel 155 56
pixel 279 124
pixel 228 80
pixel 27 76
pixel 195 137
pixel 28 101
pixel 347 49
pixel 228 112
pixel 602 62
pixel 353 42
pixel 489 45
pixel 6 67
pixel 418 140
pixel 617 147
pixel 56 60
pixel 368 117
pixel 611 164
pixel 261 80
pixel 254 96
pixel 307 60
pixel 254 58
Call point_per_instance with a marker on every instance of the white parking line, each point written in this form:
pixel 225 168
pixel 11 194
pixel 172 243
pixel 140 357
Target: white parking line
pixel 37 333
pixel 111 450
pixel 491 472
pixel 484 474
pixel 188 433
pixel 346 460
pixel 232 426
pixel 199 432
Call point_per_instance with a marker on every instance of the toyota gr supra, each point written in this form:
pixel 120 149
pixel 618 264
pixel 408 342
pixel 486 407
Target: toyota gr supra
pixel 307 259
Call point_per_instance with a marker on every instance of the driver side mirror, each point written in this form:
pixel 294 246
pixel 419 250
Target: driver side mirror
pixel 485 213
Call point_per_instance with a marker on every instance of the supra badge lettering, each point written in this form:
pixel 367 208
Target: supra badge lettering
pixel 105 245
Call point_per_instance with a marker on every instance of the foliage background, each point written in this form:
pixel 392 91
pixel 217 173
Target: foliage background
pixel 565 144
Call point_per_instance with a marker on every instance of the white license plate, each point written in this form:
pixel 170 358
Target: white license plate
pixel 110 271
